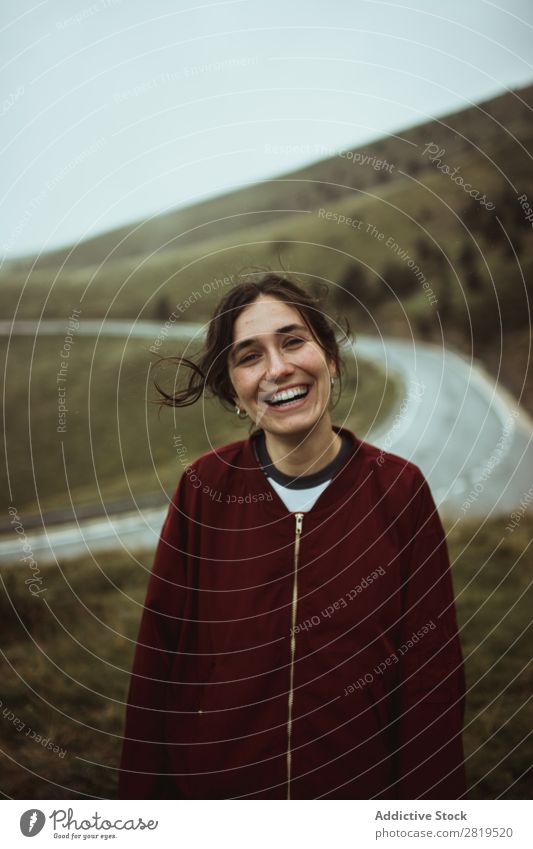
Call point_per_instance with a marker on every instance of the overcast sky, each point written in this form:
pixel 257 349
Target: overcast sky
pixel 115 110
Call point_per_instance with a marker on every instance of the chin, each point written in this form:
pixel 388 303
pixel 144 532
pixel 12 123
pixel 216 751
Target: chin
pixel 292 424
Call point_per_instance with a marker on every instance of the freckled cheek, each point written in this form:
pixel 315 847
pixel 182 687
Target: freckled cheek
pixel 309 357
pixel 249 390
pixel 315 368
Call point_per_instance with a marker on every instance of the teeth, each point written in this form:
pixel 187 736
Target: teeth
pixel 289 394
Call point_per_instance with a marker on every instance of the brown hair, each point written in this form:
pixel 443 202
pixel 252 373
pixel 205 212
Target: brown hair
pixel 211 372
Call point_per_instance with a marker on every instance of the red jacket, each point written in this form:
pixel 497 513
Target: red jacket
pixel 297 655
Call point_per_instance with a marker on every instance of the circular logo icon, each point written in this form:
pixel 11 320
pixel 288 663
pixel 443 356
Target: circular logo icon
pixel 31 822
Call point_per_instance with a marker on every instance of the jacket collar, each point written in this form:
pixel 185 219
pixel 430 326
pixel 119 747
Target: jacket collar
pixel 338 491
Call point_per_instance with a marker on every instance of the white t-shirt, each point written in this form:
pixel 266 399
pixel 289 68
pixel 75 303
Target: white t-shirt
pixel 298 499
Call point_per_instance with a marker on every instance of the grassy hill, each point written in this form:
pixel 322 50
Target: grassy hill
pixel 475 261
pixel 478 129
pixel 403 248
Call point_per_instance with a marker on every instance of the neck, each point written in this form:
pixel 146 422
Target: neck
pixel 304 453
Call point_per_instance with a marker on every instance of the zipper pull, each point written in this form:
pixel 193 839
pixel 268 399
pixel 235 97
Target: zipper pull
pixel 299 522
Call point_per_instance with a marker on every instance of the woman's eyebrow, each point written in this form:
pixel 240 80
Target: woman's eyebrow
pixel 245 343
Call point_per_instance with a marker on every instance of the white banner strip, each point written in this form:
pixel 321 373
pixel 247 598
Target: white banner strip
pixel 257 824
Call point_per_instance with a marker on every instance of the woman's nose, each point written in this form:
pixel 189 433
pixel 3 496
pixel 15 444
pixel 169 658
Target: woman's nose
pixel 278 367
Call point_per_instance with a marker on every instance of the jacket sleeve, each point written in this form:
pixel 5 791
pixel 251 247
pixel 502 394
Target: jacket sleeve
pixel 429 748
pixel 143 758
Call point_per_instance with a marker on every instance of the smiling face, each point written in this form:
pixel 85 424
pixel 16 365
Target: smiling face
pixel 273 350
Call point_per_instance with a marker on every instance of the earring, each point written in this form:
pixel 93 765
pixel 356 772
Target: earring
pixel 332 381
pixel 239 411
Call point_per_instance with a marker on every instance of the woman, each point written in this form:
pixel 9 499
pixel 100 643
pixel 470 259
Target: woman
pixel 299 637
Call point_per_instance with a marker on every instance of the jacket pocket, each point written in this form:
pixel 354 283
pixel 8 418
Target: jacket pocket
pixel 187 691
pixel 378 703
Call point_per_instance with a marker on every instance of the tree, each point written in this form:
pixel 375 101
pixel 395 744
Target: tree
pixel 469 271
pixel 162 308
pixel 423 326
pixel 400 278
pixel 352 286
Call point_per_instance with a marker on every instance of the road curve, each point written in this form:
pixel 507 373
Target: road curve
pixel 470 440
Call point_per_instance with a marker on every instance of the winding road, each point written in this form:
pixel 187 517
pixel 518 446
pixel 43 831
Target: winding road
pixel 471 441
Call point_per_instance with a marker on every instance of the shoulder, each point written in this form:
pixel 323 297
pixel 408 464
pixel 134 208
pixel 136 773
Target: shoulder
pixel 388 466
pixel 398 484
pixel 213 470
pixel 219 457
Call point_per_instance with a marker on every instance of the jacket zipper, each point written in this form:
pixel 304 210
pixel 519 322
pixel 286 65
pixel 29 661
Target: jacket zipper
pixel 299 521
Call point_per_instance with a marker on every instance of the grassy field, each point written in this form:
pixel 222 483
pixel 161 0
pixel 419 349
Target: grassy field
pixel 68 654
pixel 116 445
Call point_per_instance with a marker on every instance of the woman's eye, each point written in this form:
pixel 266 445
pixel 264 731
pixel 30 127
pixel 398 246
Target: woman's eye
pixel 293 339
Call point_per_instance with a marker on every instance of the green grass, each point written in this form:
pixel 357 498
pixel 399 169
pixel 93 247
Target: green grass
pixel 67 673
pixel 492 579
pixel 68 661
pixel 115 440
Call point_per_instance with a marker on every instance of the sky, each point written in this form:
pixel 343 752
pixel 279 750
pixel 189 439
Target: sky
pixel 113 111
